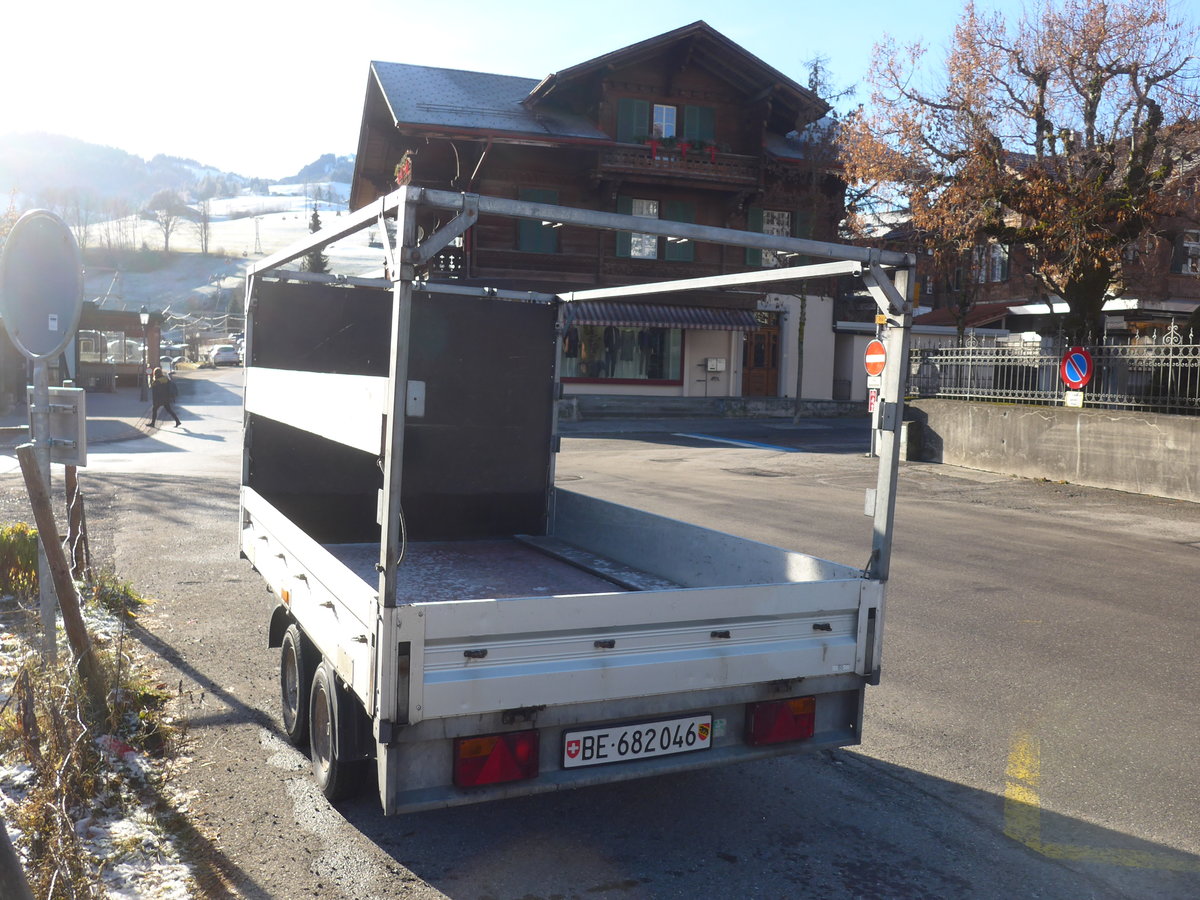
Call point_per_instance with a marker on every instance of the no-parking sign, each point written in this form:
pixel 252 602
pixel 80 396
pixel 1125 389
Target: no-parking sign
pixel 1077 368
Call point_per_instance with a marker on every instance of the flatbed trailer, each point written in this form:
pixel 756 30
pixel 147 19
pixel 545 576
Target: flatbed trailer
pixel 445 610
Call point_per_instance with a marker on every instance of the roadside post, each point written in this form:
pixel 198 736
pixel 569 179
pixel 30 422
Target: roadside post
pixel 41 296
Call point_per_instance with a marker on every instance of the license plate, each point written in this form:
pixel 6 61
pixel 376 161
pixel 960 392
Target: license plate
pixel 618 743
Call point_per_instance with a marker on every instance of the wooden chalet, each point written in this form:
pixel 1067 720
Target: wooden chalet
pixel 686 126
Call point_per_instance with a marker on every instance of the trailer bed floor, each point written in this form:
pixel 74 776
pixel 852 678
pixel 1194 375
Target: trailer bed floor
pixel 434 571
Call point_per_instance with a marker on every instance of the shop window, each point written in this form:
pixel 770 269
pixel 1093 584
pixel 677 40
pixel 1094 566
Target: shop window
pixel 622 353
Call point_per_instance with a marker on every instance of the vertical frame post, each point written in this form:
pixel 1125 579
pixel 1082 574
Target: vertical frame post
pixel 391 544
pixel 889 420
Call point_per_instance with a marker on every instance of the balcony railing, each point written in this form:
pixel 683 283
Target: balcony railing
pixel 672 162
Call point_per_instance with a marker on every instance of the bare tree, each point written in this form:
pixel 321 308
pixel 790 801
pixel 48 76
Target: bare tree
pixel 80 209
pixel 1068 132
pixel 9 217
pixel 203 224
pixel 166 209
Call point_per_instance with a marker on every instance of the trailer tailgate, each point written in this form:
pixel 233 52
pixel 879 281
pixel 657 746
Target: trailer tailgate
pixel 493 655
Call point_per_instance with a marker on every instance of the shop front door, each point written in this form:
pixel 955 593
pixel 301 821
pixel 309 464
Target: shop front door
pixel 760 359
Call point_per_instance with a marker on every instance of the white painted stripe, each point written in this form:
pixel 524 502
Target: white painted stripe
pixel 736 443
pixel 348 409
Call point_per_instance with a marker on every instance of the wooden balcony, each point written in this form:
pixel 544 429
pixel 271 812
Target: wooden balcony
pixel 702 166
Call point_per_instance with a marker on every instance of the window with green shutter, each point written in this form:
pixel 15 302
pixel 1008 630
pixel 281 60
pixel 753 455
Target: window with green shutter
pixel 802 227
pixel 754 222
pixel 533 236
pixel 634 245
pixel 624 238
pixel 633 120
pixel 679 250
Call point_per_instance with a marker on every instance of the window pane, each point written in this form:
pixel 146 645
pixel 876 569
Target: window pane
pixel 664 121
pixel 602 352
pixel 1191 253
pixel 644 246
pixel 779 223
pixel 999 262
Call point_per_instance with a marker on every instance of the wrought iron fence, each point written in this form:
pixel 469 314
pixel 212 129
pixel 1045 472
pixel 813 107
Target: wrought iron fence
pixel 1159 373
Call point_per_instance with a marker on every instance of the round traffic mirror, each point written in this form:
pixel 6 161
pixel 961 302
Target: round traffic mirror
pixel 41 284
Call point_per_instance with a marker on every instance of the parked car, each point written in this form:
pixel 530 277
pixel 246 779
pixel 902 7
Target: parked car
pixel 166 364
pixel 224 355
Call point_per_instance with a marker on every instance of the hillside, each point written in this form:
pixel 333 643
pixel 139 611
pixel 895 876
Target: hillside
pixel 53 171
pixel 328 168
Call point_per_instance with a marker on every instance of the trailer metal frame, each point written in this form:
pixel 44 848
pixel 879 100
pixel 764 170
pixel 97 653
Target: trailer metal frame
pixel 392 697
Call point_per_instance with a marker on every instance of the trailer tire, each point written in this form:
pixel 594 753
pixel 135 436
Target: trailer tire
pixel 336 776
pixel 296 666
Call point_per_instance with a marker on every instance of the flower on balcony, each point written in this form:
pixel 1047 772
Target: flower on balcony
pixel 403 171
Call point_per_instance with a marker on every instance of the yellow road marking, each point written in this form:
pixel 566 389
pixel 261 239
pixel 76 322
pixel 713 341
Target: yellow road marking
pixel 1023 818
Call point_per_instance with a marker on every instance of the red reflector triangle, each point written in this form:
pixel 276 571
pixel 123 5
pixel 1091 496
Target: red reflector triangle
pixel 784 726
pixel 500 765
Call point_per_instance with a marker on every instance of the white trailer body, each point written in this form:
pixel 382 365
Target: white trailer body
pixel 447 612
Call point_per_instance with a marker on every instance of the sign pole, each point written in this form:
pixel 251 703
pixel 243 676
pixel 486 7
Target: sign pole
pixel 39 420
pixel 41 296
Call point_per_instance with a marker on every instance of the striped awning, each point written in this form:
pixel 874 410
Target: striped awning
pixel 614 312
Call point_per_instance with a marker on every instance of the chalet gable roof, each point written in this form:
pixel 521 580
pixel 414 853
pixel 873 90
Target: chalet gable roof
pixel 703 45
pixel 455 100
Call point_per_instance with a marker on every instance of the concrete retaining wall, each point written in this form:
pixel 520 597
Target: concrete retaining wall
pixel 1143 453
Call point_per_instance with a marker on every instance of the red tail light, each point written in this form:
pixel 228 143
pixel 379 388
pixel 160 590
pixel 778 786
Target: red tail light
pixel 780 721
pixel 495 758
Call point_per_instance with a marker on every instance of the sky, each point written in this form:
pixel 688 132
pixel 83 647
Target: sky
pixel 264 87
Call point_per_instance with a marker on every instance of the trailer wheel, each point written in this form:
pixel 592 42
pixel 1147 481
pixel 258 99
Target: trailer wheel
pixel 295 682
pixel 336 776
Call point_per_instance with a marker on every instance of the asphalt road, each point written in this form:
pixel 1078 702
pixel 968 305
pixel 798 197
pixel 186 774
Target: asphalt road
pixel 1034 734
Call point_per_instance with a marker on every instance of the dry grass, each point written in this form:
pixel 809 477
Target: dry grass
pixel 70 772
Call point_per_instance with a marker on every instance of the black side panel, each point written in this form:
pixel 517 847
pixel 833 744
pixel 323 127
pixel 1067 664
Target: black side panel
pixel 477 463
pixel 327 489
pixel 321 328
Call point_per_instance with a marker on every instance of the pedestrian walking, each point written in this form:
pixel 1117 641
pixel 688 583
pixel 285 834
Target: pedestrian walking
pixel 162 392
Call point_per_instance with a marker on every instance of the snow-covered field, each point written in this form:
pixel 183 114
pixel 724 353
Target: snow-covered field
pixel 243 230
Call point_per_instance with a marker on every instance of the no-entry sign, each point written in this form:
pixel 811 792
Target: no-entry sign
pixel 875 358
pixel 1077 368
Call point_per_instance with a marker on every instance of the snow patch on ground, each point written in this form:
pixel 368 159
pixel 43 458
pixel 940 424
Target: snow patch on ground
pixel 123 834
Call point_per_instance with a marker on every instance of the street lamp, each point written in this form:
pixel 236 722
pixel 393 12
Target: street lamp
pixel 144 318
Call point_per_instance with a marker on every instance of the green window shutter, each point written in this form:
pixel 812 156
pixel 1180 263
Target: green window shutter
pixel 802 227
pixel 754 222
pixel 633 119
pixel 533 236
pixel 625 238
pixel 679 211
pixel 699 123
pixel 802 223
